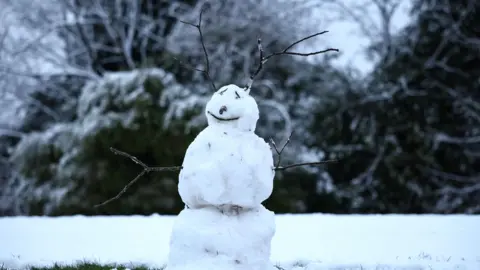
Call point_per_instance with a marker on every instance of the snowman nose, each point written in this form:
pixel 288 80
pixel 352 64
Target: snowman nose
pixel 222 109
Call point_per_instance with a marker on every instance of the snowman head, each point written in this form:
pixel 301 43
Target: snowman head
pixel 232 107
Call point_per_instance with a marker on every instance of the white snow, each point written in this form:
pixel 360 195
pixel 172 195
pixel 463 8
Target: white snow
pixel 396 241
pixel 119 88
pixel 212 240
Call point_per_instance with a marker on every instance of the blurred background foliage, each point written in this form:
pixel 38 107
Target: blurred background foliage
pixel 407 134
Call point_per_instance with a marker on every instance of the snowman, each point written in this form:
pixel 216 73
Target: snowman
pixel 226 174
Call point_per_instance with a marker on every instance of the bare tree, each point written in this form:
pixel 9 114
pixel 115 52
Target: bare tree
pixel 60 39
pixel 63 38
pixel 232 44
pixel 375 21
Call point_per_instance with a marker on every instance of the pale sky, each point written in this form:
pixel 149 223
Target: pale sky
pixel 346 35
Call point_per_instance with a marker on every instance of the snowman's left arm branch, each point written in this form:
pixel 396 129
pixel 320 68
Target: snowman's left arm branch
pixel 279 152
pixel 278 167
pixel 146 169
pixel 282 168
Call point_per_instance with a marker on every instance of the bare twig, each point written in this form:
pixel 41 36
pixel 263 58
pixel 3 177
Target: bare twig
pixel 146 169
pixel 7 132
pixel 278 167
pixel 445 138
pixel 259 68
pixel 286 51
pixel 316 163
pixel 367 175
pixel 205 71
pixel 279 152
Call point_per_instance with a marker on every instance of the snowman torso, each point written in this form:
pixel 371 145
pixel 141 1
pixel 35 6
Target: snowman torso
pixel 227 163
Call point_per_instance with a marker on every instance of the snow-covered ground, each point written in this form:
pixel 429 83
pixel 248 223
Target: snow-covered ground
pixel 324 241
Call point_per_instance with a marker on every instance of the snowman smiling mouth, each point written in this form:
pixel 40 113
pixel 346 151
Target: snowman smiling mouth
pixel 223 119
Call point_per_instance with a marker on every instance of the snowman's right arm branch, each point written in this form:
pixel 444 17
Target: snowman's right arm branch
pixel 146 169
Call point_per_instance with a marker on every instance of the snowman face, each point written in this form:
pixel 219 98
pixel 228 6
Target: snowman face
pixel 232 107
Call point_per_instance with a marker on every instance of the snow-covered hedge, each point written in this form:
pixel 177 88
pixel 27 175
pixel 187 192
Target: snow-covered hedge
pixel 69 167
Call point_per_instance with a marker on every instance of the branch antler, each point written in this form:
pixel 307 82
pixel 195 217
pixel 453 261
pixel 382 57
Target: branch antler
pixel 146 169
pixel 205 71
pixel 278 167
pixel 263 60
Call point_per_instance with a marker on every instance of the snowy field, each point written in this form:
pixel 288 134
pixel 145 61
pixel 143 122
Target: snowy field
pixel 318 241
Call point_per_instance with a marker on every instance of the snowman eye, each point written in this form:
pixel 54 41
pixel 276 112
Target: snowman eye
pixel 221 93
pixel 237 95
